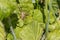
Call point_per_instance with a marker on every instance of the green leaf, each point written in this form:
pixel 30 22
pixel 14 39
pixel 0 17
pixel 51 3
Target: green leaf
pixel 21 23
pixel 6 7
pixel 29 18
pixel 9 37
pixel 26 5
pixel 2 32
pixel 52 27
pixel 31 31
pixel 55 35
pixel 55 26
pixel 37 15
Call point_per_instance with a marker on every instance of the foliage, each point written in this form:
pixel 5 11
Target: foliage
pixel 29 19
pixel 54 35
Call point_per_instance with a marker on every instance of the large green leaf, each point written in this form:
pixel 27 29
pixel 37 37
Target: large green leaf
pixel 55 35
pixel 31 31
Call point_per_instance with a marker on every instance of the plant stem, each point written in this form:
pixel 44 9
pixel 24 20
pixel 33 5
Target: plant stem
pixel 47 18
pixel 11 29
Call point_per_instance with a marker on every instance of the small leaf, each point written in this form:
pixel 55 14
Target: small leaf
pixel 37 15
pixel 9 37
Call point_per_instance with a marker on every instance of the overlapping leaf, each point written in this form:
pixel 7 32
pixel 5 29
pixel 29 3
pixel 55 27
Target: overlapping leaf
pixel 6 7
pixel 2 32
pixel 55 35
pixel 31 31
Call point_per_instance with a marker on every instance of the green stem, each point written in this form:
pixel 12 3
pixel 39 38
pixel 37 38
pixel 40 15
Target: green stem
pixel 47 18
pixel 11 29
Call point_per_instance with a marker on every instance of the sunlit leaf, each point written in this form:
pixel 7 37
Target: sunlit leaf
pixel 31 31
pixel 55 35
